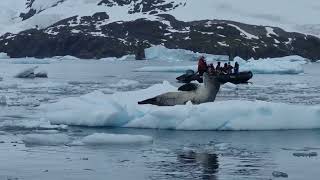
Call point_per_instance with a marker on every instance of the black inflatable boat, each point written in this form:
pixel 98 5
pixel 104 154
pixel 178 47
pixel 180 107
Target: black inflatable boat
pixel 242 77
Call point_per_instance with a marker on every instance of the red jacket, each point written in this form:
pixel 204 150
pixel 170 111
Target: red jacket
pixel 202 65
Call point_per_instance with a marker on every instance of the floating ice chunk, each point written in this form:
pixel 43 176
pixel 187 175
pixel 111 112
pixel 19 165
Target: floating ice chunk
pixel 121 110
pixel 27 73
pixel 4 56
pixel 45 139
pixel 31 124
pixel 124 83
pixel 97 139
pixel 48 131
pixel 229 85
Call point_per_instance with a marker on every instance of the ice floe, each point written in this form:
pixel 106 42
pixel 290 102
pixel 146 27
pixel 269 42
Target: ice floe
pixel 4 55
pixel 45 139
pixel 121 110
pixel 98 139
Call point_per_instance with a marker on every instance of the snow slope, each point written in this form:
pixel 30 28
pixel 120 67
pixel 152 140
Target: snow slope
pixel 121 110
pixel 292 15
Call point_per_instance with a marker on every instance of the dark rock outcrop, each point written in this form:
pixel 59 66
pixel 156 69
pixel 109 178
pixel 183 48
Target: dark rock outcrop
pixel 97 37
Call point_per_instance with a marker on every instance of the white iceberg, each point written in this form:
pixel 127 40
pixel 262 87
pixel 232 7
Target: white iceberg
pixel 121 110
pixel 285 65
pixel 4 56
pixel 162 53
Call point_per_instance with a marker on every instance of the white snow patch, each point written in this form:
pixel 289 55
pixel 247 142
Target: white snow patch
pixel 98 139
pixel 43 4
pixel 244 33
pixel 270 31
pixel 121 110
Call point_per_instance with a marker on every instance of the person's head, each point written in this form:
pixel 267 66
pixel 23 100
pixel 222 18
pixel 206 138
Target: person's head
pixel 229 63
pixel 219 63
pixel 225 64
pixel 211 65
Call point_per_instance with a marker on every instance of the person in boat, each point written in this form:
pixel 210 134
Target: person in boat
pixel 218 68
pixel 225 68
pixel 211 69
pixel 230 67
pixel 236 68
pixel 202 65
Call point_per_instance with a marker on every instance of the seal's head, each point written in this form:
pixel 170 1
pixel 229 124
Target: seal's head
pixel 211 81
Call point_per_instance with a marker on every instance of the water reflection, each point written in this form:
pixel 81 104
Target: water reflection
pixel 207 162
pixel 188 165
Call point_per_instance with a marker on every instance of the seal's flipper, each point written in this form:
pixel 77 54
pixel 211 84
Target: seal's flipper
pixel 149 101
pixel 189 87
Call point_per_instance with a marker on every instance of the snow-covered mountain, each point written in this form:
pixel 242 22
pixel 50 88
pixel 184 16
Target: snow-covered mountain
pixel 101 28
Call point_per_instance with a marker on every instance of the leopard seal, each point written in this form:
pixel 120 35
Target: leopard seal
pixel 201 94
